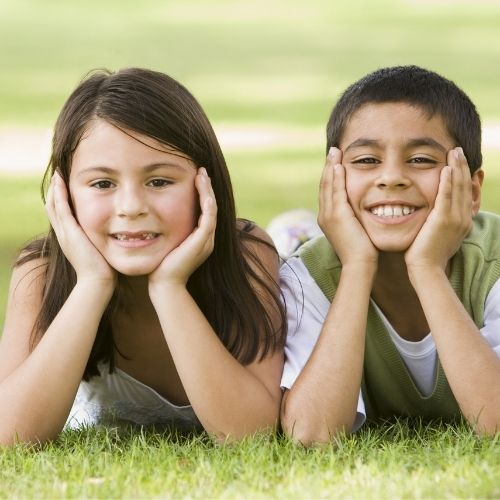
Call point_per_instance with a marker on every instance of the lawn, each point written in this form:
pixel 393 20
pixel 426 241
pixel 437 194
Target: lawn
pixel 397 459
pixel 254 66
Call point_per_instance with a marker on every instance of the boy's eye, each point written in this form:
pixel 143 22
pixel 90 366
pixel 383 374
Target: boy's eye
pixel 367 160
pixel 102 184
pixel 423 161
pixel 158 183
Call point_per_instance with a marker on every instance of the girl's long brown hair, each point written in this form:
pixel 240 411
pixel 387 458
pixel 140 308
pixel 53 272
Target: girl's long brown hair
pixel 157 106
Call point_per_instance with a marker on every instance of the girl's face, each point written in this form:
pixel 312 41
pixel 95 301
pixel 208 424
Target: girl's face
pixel 135 203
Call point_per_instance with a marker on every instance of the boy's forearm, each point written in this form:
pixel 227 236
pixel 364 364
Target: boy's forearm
pixel 323 400
pixel 472 368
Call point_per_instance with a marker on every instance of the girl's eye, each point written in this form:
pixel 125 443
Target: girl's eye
pixel 102 184
pixel 159 183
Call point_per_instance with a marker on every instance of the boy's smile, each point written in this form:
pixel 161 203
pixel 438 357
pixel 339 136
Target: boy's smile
pixel 135 200
pixel 393 155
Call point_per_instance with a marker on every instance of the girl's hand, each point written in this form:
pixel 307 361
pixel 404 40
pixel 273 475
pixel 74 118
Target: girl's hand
pixel 87 261
pixel 449 221
pixel 181 262
pixel 336 217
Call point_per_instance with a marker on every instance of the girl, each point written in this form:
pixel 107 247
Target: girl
pixel 147 301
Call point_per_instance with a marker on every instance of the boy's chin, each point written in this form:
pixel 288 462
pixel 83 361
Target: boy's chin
pixel 391 246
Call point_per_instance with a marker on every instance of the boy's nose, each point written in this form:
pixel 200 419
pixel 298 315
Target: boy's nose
pixel 392 174
pixel 131 202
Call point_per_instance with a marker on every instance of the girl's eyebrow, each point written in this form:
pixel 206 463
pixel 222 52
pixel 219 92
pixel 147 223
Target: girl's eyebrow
pixel 146 169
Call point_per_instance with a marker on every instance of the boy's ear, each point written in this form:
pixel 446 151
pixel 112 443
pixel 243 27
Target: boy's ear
pixel 477 183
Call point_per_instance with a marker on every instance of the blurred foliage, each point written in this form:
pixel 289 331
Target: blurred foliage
pixel 280 60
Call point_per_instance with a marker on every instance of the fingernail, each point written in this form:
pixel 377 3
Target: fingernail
pixel 331 152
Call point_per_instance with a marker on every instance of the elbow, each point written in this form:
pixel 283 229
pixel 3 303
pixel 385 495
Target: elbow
pixel 10 440
pixel 306 435
pixel 486 425
pixel 236 432
pixel 310 430
pixel 487 430
pixel 13 435
pixel 232 436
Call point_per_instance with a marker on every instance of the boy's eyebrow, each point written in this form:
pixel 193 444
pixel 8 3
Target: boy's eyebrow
pixel 411 143
pixel 147 169
pixel 426 141
pixel 362 142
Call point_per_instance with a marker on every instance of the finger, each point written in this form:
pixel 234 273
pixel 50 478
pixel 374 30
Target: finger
pixel 326 181
pixel 334 156
pixel 339 184
pixel 466 192
pixel 204 186
pixel 444 194
pixel 62 219
pixel 208 218
pixel 326 189
pixel 50 204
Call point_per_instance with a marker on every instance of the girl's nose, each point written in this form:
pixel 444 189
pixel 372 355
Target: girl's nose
pixel 131 202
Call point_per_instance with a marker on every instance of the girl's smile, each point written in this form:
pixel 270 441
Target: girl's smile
pixel 135 199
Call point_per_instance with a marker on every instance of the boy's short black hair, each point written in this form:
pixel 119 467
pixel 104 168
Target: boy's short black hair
pixel 418 87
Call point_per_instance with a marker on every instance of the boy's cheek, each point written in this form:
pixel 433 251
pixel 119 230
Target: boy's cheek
pixel 353 196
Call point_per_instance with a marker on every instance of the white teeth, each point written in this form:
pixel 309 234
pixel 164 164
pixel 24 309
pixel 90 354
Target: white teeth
pixel 392 210
pixel 397 211
pixel 142 236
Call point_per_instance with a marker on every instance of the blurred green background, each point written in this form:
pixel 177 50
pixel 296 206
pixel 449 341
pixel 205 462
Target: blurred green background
pixel 266 72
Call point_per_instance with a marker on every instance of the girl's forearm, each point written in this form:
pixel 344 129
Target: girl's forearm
pixel 37 396
pixel 472 368
pixel 323 400
pixel 229 400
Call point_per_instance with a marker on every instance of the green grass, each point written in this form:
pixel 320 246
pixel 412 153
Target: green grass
pixel 396 459
pixel 281 64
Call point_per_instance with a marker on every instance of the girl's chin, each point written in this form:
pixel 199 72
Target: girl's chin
pixel 135 270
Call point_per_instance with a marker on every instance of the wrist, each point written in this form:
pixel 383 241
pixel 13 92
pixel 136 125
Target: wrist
pixel 363 273
pixel 367 268
pixel 160 290
pixel 423 274
pixel 97 285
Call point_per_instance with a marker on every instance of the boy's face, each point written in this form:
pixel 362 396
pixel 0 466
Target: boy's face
pixel 393 155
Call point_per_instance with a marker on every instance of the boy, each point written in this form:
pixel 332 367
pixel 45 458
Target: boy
pixel 405 252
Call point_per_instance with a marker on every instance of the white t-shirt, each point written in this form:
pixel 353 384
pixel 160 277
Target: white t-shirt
pixel 116 397
pixel 307 308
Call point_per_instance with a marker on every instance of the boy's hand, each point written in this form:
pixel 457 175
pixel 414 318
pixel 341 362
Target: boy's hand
pixel 449 221
pixel 336 217
pixel 181 262
pixel 86 260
